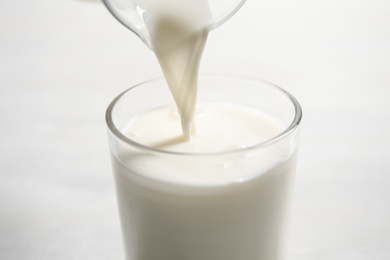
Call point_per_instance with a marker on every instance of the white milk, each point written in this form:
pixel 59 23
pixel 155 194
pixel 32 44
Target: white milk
pixel 178 32
pixel 225 206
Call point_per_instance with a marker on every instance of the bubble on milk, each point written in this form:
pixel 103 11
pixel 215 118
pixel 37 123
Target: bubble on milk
pixel 237 146
pixel 133 134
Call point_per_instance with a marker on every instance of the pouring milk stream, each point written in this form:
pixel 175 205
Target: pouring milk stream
pixel 177 32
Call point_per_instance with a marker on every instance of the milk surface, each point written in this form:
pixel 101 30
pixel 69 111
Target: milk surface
pixel 221 127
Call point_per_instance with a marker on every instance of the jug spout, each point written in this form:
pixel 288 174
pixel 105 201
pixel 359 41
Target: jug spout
pixel 134 14
pixel 127 13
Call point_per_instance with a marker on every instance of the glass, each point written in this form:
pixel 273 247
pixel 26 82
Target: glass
pixel 241 217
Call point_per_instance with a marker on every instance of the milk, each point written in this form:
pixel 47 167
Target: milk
pixel 225 201
pixel 178 32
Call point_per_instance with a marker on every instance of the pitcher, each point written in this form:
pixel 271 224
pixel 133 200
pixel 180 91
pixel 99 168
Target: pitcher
pixel 134 14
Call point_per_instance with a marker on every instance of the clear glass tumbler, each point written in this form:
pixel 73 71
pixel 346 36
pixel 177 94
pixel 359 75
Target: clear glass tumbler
pixel 242 217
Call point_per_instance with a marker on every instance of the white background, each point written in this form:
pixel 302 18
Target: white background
pixel 61 62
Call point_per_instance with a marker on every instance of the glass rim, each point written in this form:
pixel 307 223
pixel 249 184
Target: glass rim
pixel 288 130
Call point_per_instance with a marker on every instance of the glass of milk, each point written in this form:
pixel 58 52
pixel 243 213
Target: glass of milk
pixel 224 194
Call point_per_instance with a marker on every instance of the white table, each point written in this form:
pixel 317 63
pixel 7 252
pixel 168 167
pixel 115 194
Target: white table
pixel 61 62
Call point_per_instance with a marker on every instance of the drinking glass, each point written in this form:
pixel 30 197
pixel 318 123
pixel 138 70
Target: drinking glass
pixel 243 215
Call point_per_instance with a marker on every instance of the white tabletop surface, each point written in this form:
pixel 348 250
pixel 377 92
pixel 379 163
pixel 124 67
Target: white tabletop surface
pixel 61 62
